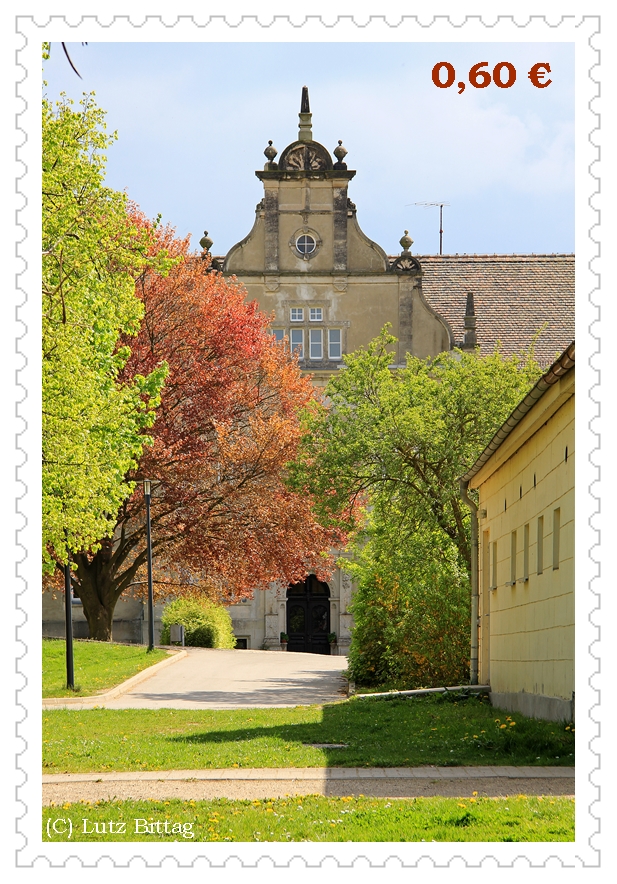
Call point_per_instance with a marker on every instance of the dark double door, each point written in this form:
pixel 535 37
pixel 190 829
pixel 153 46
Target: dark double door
pixel 308 616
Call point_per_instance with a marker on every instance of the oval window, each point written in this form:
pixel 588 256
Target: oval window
pixel 306 244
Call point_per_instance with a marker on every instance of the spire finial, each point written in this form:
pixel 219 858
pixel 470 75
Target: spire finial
pixel 305 133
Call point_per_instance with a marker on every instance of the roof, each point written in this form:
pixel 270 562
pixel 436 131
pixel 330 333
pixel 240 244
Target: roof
pixel 562 365
pixel 514 296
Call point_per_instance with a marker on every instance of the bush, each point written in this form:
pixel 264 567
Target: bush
pixel 206 624
pixel 411 613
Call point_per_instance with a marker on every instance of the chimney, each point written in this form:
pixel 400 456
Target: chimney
pixel 471 338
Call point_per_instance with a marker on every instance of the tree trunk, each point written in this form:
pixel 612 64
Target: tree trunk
pixel 98 591
pixel 99 622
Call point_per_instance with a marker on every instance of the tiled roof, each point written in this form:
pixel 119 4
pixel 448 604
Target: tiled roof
pixel 514 295
pixel 562 365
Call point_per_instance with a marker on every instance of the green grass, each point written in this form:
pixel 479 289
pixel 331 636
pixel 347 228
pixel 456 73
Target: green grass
pixel 380 732
pixel 98 666
pixel 314 818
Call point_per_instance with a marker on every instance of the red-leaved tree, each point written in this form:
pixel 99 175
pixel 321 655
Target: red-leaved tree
pixel 223 520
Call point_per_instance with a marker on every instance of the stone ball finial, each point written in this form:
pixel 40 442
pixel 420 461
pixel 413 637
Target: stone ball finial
pixel 406 241
pixel 339 152
pixel 270 152
pixel 205 242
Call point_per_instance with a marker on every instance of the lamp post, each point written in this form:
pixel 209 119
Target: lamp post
pixel 68 617
pixel 147 489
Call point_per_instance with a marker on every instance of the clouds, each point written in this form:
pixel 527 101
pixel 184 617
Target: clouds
pixel 194 119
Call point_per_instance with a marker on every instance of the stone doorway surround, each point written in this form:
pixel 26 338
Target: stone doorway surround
pixel 308 616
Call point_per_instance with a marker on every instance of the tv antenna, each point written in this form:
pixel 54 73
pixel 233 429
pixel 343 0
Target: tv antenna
pixel 441 205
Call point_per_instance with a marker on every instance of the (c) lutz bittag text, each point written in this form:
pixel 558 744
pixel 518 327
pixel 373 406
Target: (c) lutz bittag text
pixel 137 826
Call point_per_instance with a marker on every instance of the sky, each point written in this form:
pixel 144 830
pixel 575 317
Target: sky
pixel 193 120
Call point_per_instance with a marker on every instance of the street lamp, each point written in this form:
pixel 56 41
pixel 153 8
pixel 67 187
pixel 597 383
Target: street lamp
pixel 147 489
pixel 68 618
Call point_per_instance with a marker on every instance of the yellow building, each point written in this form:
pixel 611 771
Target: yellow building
pixel 525 576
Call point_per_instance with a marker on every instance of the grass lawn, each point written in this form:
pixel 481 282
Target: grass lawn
pixel 313 818
pixel 389 733
pixel 98 666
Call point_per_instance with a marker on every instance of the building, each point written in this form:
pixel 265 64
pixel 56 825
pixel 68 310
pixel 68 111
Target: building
pixel 332 289
pixel 525 483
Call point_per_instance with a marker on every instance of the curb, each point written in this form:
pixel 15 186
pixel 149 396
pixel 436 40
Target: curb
pixel 95 699
pixel 316 773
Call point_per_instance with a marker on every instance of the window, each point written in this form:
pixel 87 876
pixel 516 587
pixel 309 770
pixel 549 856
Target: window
pixel 316 343
pixel 486 562
pixel 278 334
pixel 526 553
pixel 494 568
pixel 512 559
pixel 540 544
pixel 297 314
pixel 334 343
pixel 297 342
pixel 316 314
pixel 556 527
pixel 306 244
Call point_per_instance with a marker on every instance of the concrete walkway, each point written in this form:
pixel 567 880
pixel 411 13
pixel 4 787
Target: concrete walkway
pixel 215 678
pixel 382 782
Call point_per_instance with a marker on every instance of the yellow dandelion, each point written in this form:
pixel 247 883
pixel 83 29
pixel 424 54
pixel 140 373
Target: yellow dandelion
pixel 474 793
pixel 512 723
pixel 501 726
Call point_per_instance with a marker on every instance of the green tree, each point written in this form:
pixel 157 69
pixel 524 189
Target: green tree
pixel 383 456
pixel 405 436
pixel 93 424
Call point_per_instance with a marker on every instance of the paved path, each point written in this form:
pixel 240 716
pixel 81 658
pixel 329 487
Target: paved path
pixel 383 782
pixel 208 678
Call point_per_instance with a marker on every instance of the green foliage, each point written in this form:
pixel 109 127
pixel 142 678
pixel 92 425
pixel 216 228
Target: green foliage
pixel 93 422
pixel 383 458
pixel 411 609
pixel 206 624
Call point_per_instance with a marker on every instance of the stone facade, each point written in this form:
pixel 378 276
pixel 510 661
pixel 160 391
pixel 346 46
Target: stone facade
pixel 330 287
pixel 331 290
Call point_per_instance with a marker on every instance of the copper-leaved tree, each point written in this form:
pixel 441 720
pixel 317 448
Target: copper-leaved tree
pixel 223 520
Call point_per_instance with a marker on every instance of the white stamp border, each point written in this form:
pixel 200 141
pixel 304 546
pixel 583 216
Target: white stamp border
pixel 30 30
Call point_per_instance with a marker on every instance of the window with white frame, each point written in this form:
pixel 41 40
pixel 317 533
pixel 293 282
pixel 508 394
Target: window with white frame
pixel 316 314
pixel 296 314
pixel 335 350
pixel 297 342
pixel 315 343
pixel 278 334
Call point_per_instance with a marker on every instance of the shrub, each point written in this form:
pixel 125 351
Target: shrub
pixel 206 624
pixel 411 613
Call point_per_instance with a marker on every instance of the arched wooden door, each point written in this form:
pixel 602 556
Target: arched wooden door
pixel 308 616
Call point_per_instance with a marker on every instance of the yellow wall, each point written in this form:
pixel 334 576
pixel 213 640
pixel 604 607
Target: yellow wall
pixel 526 641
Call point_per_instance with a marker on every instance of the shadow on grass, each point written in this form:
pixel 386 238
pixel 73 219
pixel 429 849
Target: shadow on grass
pixel 412 732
